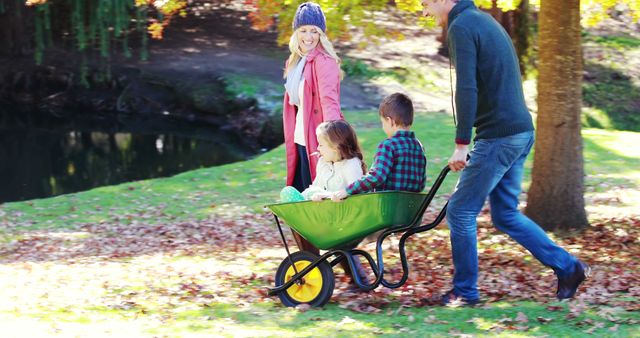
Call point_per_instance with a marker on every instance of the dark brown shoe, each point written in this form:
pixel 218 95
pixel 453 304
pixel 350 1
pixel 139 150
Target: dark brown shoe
pixel 567 286
pixel 451 299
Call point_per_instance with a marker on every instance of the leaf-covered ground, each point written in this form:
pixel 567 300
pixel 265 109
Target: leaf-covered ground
pixel 155 274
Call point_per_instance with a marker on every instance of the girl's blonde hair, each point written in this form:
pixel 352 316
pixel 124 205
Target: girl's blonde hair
pixel 342 137
pixel 296 51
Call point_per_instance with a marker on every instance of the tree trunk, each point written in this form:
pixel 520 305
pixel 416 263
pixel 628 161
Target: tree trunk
pixel 556 200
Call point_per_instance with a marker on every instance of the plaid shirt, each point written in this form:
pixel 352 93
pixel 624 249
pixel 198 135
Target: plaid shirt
pixel 399 164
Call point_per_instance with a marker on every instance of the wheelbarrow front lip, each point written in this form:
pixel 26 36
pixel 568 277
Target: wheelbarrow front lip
pixel 350 198
pixel 329 224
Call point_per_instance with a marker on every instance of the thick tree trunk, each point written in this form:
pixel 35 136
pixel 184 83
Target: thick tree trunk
pixel 556 200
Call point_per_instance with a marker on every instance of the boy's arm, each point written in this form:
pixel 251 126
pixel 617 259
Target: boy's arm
pixel 424 160
pixel 377 174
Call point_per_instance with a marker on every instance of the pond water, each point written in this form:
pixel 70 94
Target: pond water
pixel 47 156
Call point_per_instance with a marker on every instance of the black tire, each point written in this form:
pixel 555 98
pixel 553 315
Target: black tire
pixel 295 295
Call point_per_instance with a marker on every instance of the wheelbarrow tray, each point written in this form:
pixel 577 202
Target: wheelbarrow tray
pixel 329 224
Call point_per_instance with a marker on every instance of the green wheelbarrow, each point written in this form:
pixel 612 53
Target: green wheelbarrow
pixel 306 278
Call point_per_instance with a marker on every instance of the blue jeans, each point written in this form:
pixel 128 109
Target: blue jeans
pixel 495 170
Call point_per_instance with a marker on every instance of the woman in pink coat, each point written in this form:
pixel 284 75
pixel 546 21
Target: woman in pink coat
pixel 312 96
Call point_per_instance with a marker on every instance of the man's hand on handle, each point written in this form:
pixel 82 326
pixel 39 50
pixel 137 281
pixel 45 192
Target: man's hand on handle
pixel 458 160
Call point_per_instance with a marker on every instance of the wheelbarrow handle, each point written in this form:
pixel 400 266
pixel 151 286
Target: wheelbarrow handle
pixel 432 192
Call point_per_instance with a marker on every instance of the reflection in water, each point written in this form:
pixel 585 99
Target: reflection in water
pixel 37 162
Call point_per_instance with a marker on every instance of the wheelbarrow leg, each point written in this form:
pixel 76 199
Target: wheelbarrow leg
pixel 350 258
pixel 303 244
pixel 284 241
pixel 359 273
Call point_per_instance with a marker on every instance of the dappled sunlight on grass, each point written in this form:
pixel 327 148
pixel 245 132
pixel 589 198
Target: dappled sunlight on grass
pixel 620 143
pixel 53 285
pixel 596 116
pixel 93 326
pixel 147 288
pixel 261 321
pixel 612 167
pixel 616 202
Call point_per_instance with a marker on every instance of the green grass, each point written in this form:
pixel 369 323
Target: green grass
pixel 251 184
pixel 611 94
pixel 621 42
pixel 415 77
pixel 611 99
pixel 333 321
pixel 268 93
pixel 613 155
pixel 270 320
pixel 357 68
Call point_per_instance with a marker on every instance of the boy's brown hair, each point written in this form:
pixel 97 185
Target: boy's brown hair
pixel 399 108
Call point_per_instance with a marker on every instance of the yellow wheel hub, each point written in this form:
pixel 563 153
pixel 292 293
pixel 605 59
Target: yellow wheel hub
pixel 310 289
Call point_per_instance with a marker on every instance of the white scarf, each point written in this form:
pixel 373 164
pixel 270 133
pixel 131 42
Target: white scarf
pixel 294 76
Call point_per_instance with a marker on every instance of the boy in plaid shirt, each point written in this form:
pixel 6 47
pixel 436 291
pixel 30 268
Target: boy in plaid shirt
pixel 400 163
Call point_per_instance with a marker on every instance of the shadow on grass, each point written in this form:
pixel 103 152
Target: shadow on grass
pixel 614 98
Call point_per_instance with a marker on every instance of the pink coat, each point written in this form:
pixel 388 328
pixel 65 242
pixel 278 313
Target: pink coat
pixel 321 103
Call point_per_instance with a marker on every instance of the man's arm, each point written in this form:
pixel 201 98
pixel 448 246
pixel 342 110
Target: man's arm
pixel 463 55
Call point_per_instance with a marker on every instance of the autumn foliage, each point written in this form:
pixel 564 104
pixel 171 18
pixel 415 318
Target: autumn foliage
pixel 344 15
pixel 507 272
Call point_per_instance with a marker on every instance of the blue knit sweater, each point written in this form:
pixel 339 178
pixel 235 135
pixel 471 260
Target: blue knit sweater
pixel 488 86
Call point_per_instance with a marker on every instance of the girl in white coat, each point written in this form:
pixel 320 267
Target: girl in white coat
pixel 339 165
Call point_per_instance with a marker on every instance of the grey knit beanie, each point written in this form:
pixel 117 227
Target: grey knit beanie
pixel 309 13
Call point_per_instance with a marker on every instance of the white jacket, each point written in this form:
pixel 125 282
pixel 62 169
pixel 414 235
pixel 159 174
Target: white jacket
pixel 334 176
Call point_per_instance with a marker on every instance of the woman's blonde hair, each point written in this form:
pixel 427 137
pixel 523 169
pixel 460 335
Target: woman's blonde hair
pixel 296 51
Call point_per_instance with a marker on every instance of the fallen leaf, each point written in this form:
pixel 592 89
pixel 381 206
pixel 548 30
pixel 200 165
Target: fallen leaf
pixel 303 307
pixel 544 320
pixel 522 318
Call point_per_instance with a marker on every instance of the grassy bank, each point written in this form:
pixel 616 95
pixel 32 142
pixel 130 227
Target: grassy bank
pixel 611 160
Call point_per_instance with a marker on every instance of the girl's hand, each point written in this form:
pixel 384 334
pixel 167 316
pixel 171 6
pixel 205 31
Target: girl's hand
pixel 339 195
pixel 317 197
